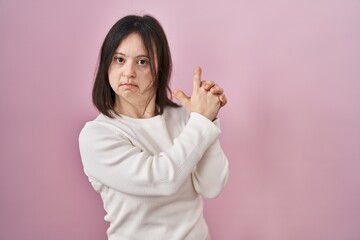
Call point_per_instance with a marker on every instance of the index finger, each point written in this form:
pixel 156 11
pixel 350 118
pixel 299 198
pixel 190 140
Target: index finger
pixel 197 78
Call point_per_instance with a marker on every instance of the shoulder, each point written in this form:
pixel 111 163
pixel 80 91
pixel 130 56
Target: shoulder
pixel 100 126
pixel 101 121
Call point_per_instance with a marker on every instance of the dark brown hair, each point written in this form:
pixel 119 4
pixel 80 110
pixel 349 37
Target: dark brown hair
pixel 157 47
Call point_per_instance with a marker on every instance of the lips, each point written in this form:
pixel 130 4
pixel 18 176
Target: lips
pixel 128 85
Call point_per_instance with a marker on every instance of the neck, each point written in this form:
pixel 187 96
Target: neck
pixel 136 111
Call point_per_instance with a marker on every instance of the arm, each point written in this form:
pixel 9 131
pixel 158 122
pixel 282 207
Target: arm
pixel 110 158
pixel 211 173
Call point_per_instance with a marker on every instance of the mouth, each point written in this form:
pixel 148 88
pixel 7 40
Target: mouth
pixel 128 85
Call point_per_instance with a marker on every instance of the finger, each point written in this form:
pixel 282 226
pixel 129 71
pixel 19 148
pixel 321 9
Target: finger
pixel 181 96
pixel 223 100
pixel 216 90
pixel 197 78
pixel 207 85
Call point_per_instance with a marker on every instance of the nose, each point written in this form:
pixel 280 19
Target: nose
pixel 129 70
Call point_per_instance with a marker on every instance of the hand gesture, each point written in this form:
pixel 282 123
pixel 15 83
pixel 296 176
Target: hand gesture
pixel 206 98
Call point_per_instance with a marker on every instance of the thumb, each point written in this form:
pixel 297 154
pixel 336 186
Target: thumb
pixel 181 96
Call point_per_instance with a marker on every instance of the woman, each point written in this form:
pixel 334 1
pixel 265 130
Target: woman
pixel 150 159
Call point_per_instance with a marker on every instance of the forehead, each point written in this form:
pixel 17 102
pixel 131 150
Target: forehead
pixel 132 44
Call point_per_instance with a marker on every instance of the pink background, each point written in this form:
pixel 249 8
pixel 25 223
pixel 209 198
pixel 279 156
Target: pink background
pixel 291 129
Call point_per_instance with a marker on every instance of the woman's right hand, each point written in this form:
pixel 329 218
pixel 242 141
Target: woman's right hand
pixel 201 101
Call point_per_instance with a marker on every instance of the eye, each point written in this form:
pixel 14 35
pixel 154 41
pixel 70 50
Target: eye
pixel 119 59
pixel 143 61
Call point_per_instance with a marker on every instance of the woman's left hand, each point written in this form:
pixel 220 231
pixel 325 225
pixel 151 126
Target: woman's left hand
pixel 214 89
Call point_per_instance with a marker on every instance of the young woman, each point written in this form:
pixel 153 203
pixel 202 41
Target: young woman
pixel 150 159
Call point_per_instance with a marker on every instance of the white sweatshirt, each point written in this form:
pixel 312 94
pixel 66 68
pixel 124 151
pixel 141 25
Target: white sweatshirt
pixel 151 172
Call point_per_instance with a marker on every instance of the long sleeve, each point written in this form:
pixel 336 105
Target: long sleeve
pixel 211 173
pixel 110 158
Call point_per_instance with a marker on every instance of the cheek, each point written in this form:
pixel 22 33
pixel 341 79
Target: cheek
pixel 112 81
pixel 148 81
pixel 113 76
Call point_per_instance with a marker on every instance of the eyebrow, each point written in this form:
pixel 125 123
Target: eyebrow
pixel 141 55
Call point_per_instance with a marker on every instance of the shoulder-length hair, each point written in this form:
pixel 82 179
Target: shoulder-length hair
pixel 157 47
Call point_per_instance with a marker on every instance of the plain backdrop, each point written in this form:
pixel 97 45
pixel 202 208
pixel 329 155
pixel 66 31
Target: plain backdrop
pixel 291 129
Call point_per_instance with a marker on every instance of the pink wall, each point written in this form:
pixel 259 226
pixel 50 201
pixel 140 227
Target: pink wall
pixel 291 71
